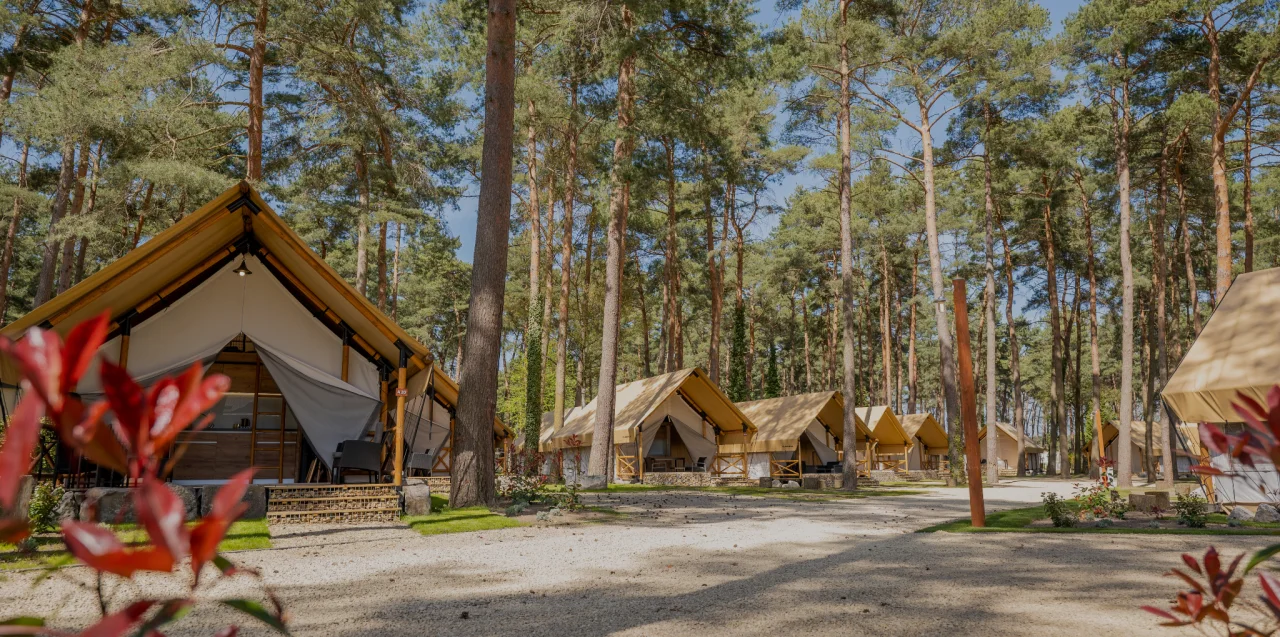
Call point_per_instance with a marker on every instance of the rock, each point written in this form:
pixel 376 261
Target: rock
pixel 776 484
pixel 115 505
pixel 813 483
pixel 417 499
pixel 1266 512
pixel 1145 502
pixel 591 482
pixel 791 484
pixel 1240 514
pixel 766 482
pixel 69 506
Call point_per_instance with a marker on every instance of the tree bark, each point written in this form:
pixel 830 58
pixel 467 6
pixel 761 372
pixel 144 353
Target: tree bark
pixel 66 265
pixel 1124 478
pixel 993 469
pixel 6 260
pixel 362 223
pixel 1095 366
pixel 1056 388
pixel 1015 369
pixel 257 62
pixel 52 246
pixel 566 260
pixel 473 466
pixel 1246 186
pixel 849 469
pixel 602 437
pixel 913 370
pixel 382 266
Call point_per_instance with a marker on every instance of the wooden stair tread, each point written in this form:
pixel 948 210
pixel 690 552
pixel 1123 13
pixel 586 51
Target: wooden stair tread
pixel 334 511
pixel 333 498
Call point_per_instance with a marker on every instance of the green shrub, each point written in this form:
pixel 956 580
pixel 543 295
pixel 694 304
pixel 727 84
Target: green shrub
pixel 43 511
pixel 1192 510
pixel 1058 510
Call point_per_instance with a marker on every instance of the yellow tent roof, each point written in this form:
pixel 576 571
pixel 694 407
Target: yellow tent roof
pixel 1007 430
pixel 1190 433
pixel 635 401
pixel 926 428
pixel 781 421
pixel 176 260
pixel 1234 353
pixel 884 424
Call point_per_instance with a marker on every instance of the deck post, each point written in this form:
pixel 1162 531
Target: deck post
pixel 639 436
pixel 126 328
pixel 402 391
pixel 346 351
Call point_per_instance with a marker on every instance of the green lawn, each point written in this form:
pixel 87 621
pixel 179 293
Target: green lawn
pixel 444 519
pixel 243 535
pixel 767 492
pixel 1017 521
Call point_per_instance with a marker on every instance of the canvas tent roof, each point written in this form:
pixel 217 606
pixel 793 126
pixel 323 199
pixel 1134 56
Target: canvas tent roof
pixel 926 428
pixel 151 281
pixel 1190 433
pixel 1236 352
pixel 1007 430
pixel 635 401
pixel 780 422
pixel 884 424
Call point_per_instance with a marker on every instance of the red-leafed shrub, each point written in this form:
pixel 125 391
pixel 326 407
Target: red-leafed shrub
pixel 130 431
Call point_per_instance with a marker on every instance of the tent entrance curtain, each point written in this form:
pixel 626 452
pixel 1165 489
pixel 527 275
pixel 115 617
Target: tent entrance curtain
pixel 328 409
pixel 825 454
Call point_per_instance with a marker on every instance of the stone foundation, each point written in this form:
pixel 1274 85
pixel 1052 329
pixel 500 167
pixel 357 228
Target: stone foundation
pixel 332 504
pixel 882 475
pixel 679 479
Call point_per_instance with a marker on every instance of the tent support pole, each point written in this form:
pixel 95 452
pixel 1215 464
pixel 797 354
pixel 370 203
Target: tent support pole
pixel 346 351
pixel 402 391
pixel 126 328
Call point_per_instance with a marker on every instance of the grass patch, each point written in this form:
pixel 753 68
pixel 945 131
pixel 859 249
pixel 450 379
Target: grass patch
pixel 50 552
pixel 1017 521
pixel 444 519
pixel 766 492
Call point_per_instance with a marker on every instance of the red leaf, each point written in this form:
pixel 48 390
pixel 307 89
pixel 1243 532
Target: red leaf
pixel 1212 565
pixel 1172 619
pixel 163 515
pixel 212 528
pixel 1186 578
pixel 128 403
pixel 229 631
pixel 99 548
pixel 175 404
pixel 19 443
pixel 1207 470
pixel 1192 563
pixel 227 503
pixel 118 623
pixel 82 343
pixel 93 438
pixel 13 530
pixel 39 357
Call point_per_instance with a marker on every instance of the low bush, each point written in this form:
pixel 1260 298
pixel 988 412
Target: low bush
pixel 1058 510
pixel 1192 510
pixel 42 513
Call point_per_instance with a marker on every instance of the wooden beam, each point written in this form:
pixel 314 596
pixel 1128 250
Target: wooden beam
pixel 402 391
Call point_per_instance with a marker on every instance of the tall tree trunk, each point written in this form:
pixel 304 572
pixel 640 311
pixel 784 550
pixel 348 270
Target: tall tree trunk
pixel 91 203
pixel 804 326
pixel 644 320
pixel 66 265
pixel 257 61
pixel 1193 294
pixel 1056 388
pixel 566 259
pixel 849 472
pixel 395 271
pixel 580 393
pixel 886 336
pixel 473 479
pixel 993 469
pixel 1246 185
pixel 946 357
pixel 602 438
pixel 533 320
pixel 671 249
pixel 52 246
pixel 913 370
pixel 382 266
pixel 1015 369
pixel 362 223
pixel 6 260
pixel 1123 468
pixel 1159 279
pixel 1095 366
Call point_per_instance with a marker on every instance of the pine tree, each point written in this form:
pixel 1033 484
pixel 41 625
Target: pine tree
pixel 738 390
pixel 772 384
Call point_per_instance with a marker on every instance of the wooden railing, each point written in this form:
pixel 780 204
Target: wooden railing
pixel 784 468
pixel 625 467
pixel 891 462
pixel 729 465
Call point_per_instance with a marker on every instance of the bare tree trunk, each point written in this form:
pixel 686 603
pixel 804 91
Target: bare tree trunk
pixel 52 246
pixel 644 320
pixel 1056 388
pixel 1246 185
pixel 1015 369
pixel 804 326
pixel 886 335
pixel 993 469
pixel 257 61
pixel 602 437
pixel 6 261
pixel 1193 298
pixel 913 370
pixel 362 223
pixel 382 266
pixel 1159 279
pixel 395 271
pixel 66 264
pixel 1095 366
pixel 586 296
pixel 473 466
pixel 1124 478
pixel 849 469
pixel 566 260
pixel 671 250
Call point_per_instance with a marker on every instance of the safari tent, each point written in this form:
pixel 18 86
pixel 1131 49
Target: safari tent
pixel 1236 353
pixel 798 434
pixel 1007 450
pixel 672 423
pixel 930 448
pixel 890 444
pixel 312 362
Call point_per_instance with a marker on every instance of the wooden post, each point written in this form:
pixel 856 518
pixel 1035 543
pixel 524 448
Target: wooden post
pixel 126 328
pixel 639 440
pixel 402 391
pixel 346 352
pixel 969 408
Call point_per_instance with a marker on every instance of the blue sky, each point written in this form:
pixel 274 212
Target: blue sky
pixel 462 218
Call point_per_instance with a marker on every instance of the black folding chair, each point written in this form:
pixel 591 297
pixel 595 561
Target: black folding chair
pixel 358 455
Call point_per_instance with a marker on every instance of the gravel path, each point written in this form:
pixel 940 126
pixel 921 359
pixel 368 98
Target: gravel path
pixel 697 563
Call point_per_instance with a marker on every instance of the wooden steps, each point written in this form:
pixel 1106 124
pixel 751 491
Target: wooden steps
pixel 330 504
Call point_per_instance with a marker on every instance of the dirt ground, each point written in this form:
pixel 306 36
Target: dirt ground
pixel 680 562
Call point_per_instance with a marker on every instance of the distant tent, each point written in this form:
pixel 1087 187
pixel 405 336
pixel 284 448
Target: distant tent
pixel 931 445
pixel 678 419
pixel 890 442
pixel 808 425
pixel 1007 450
pixel 233 287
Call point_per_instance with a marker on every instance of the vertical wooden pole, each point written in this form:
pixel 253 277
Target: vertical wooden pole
pixel 969 407
pixel 346 353
pixel 402 391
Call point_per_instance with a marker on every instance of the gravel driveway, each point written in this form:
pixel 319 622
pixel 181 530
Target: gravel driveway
pixel 689 563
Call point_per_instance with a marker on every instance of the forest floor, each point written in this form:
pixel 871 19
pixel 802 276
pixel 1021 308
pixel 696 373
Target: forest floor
pixel 684 562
